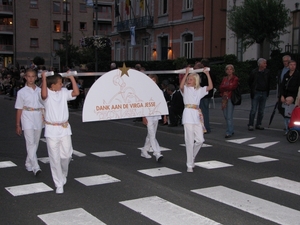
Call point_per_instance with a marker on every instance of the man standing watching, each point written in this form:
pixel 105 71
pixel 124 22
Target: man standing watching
pixel 259 83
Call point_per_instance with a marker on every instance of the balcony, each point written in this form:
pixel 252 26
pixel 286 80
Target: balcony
pixel 103 16
pixel 8 29
pixel 6 9
pixel 8 49
pixel 139 23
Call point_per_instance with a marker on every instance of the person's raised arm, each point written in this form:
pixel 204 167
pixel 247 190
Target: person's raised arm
pixel 181 86
pixel 75 91
pixel 44 92
pixel 210 83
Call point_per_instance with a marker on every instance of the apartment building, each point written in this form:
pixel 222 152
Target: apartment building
pixel 30 28
pixel 167 29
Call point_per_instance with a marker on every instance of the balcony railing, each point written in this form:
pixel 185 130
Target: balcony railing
pixel 139 23
pixel 6 48
pixel 103 16
pixel 6 8
pixel 8 28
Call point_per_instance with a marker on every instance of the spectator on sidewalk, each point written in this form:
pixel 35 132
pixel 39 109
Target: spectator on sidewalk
pixel 228 84
pixel 259 84
pixel 175 106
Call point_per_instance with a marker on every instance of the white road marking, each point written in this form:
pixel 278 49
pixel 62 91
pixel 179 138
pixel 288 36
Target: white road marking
pixel 281 184
pixel 240 141
pixel 203 146
pixel 213 164
pixel 166 213
pixel 161 148
pixel 107 153
pixel 5 164
pixel 77 153
pixel 264 145
pixel 70 217
pixel 251 204
pixel 258 159
pixel 157 172
pixel 97 180
pixel 27 189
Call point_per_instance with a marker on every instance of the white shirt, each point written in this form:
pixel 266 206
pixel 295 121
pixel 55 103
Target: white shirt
pixel 56 111
pixel 30 97
pixel 192 96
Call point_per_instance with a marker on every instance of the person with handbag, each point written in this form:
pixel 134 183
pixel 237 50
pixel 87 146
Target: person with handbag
pixel 228 84
pixel 259 83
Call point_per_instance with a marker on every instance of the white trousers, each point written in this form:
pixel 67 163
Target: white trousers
pixel 151 138
pixel 193 135
pixel 60 152
pixel 32 138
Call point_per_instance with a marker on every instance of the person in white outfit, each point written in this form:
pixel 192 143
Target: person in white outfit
pixel 57 128
pixel 152 122
pixel 29 118
pixel 193 127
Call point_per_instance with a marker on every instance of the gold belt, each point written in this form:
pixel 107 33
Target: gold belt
pixel 32 109
pixel 191 106
pixel 64 125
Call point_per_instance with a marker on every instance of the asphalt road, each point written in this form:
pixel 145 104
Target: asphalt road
pixel 109 183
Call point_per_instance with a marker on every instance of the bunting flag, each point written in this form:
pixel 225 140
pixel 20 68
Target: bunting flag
pixel 132 35
pixel 127 6
pixel 142 4
pixel 117 12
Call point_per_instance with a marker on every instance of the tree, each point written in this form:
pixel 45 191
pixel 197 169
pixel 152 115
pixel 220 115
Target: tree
pixel 38 60
pixel 259 21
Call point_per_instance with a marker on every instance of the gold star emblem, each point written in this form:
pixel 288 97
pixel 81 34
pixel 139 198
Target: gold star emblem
pixel 124 70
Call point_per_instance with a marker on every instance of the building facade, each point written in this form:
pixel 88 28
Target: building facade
pixel 32 28
pixel 168 29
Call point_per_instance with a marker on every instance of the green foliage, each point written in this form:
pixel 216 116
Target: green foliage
pixel 180 62
pixel 38 60
pixel 257 21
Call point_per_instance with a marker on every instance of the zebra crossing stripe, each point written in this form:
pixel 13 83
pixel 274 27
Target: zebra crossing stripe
pixel 281 184
pixel 251 204
pixel 166 213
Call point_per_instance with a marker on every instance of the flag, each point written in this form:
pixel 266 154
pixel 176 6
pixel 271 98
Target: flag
pixel 127 6
pixel 132 35
pixel 142 4
pixel 117 12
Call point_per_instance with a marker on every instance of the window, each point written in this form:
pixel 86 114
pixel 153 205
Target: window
pixel 163 7
pixel 66 26
pixel 117 51
pixel 34 23
pixel 129 51
pixel 66 7
pixel 33 4
pixel 57 26
pixel 82 26
pixel 145 49
pixel 34 42
pixel 56 7
pixel 187 4
pixel 56 45
pixel 188 46
pixel 82 7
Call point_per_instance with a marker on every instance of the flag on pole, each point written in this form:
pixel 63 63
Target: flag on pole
pixel 142 4
pixel 132 35
pixel 117 12
pixel 127 6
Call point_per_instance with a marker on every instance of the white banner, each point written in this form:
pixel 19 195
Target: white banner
pixel 123 93
pixel 132 35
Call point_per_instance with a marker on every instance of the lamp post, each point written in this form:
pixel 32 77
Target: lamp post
pixel 96 28
pixel 66 30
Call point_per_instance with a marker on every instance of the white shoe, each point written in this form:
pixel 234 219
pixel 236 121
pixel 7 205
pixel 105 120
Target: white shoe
pixel 159 157
pixel 145 154
pixel 59 190
pixel 190 170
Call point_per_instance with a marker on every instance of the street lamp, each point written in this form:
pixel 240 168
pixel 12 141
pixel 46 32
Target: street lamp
pixel 66 30
pixel 95 7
